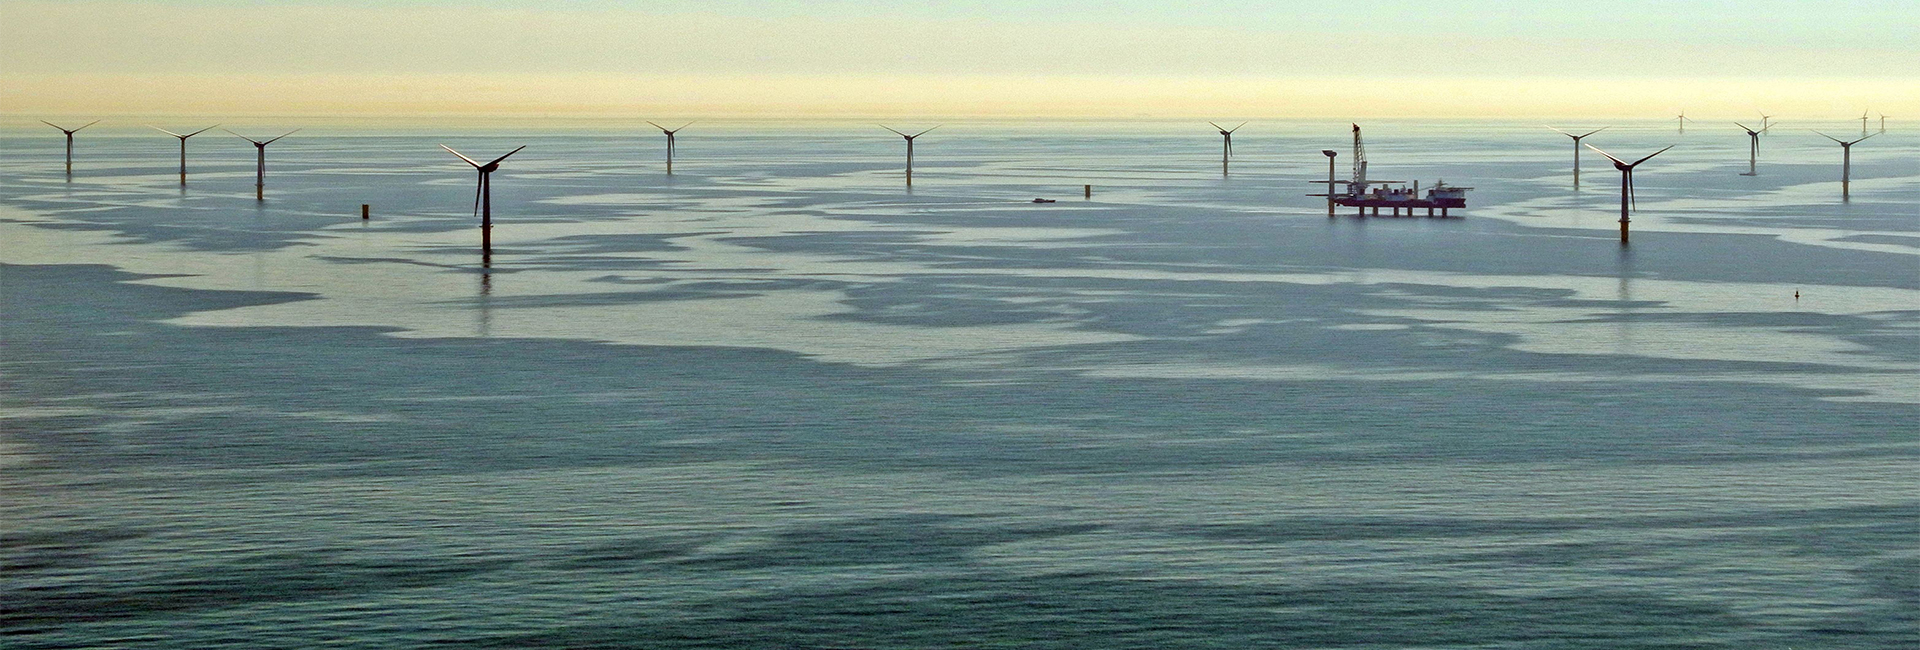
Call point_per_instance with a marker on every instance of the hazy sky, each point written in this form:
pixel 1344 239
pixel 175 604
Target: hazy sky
pixel 982 57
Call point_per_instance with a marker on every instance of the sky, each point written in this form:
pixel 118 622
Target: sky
pixel 993 58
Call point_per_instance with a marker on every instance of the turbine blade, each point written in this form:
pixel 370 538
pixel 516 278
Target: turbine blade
pixel 1651 155
pixel 62 128
pixel 1743 126
pixel 1609 156
pixel 1236 128
pixel 1570 135
pixel 496 161
pixel 662 128
pixel 476 192
pixel 189 135
pixel 1596 131
pixel 1864 138
pixel 684 126
pixel 242 137
pixel 889 128
pixel 87 125
pixel 1216 127
pixel 1823 135
pixel 282 136
pixel 928 130
pixel 461 155
pixel 150 126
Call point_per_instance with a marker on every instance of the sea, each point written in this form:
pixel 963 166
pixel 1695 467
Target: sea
pixel 780 398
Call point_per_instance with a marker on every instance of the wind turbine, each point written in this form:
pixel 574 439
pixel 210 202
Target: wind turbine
pixel 483 199
pixel 69 133
pixel 1863 123
pixel 1226 145
pixel 1883 122
pixel 1682 119
pixel 1753 150
pixel 1626 184
pixel 1846 162
pixel 260 172
pixel 910 147
pixel 183 147
pixel 670 141
pixel 1576 149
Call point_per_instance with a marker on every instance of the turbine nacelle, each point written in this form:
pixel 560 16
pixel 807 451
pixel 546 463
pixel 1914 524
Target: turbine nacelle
pixel 670 132
pixel 910 137
pixel 67 130
pixel 189 135
pixel 484 168
pixel 259 143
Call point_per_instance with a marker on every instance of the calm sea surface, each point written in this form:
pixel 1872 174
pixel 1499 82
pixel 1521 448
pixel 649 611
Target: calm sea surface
pixel 779 400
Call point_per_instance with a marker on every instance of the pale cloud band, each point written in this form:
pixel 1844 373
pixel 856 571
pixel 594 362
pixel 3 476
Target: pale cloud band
pixel 772 59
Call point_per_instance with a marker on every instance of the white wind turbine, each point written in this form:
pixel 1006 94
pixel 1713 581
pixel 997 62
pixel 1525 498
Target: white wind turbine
pixel 1753 148
pixel 183 147
pixel 910 147
pixel 260 171
pixel 1682 119
pixel 1226 143
pixel 69 133
pixel 1846 162
pixel 1576 149
pixel 483 199
pixel 669 133
pixel 1626 184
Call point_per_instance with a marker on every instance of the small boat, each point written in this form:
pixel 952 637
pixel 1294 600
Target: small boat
pixel 1044 201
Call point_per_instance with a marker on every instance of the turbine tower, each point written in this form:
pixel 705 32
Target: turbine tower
pixel 183 147
pixel 1753 148
pixel 910 147
pixel 260 172
pixel 669 134
pixel 483 199
pixel 1626 184
pixel 1576 149
pixel 1846 162
pixel 1682 120
pixel 1226 144
pixel 69 133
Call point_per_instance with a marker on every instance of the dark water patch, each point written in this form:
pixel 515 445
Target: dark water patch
pixel 42 550
pixel 1081 611
pixel 1298 529
pixel 905 539
pixel 284 577
pixel 1912 241
pixel 628 552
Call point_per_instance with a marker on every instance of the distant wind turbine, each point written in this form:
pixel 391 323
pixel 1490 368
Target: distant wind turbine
pixel 1846 162
pixel 1682 119
pixel 1764 121
pixel 483 199
pixel 1576 149
pixel 1226 144
pixel 183 147
pixel 910 147
pixel 69 133
pixel 1753 148
pixel 260 171
pixel 1626 184
pixel 669 134
pixel 1883 122
pixel 1863 122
